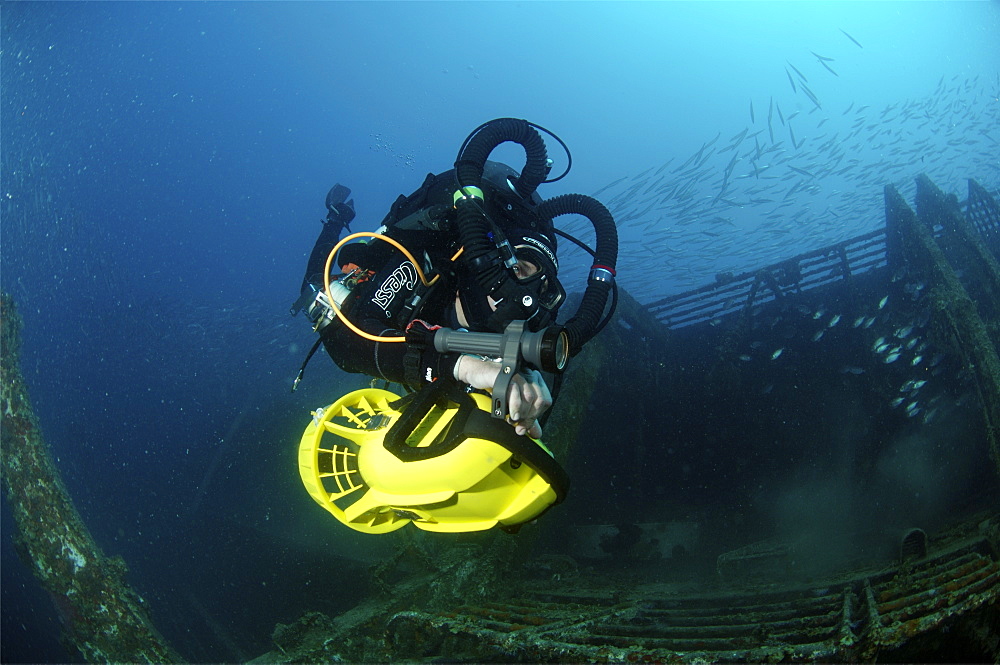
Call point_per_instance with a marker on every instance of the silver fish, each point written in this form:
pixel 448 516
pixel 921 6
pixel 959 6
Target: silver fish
pixel 856 42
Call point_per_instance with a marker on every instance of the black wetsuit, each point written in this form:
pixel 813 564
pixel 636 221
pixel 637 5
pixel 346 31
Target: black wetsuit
pixel 378 306
pixel 381 304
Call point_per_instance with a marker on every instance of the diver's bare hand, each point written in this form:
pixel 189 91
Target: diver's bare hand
pixel 529 399
pixel 528 396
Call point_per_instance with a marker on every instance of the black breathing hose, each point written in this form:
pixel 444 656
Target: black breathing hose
pixel 584 323
pixel 473 226
pixel 472 159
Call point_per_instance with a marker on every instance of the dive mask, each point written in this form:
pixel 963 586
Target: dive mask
pixel 539 276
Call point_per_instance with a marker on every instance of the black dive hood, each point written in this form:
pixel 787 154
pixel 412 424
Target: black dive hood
pixel 484 259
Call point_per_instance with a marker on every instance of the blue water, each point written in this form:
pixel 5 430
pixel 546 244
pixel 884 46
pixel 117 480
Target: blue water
pixel 164 168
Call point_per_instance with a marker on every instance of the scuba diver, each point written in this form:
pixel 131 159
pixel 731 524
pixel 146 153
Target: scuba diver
pixel 387 299
pixel 459 287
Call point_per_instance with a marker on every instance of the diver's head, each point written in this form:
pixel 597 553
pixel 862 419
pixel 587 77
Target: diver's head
pixel 537 267
pixel 526 245
pixel 531 293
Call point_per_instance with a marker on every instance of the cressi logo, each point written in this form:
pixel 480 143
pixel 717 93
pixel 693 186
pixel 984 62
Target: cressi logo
pixel 402 278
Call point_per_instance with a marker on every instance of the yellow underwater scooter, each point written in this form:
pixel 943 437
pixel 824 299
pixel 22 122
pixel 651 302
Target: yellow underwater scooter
pixel 438 458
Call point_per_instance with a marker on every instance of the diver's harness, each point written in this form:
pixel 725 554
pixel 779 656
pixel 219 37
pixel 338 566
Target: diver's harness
pixel 488 256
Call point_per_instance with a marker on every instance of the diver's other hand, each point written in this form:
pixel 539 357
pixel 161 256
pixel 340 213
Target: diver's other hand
pixel 528 396
pixel 340 214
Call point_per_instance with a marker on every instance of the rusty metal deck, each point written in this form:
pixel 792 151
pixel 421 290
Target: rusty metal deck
pixel 855 617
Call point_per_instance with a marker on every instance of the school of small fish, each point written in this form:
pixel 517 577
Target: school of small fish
pixel 901 345
pixel 770 191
